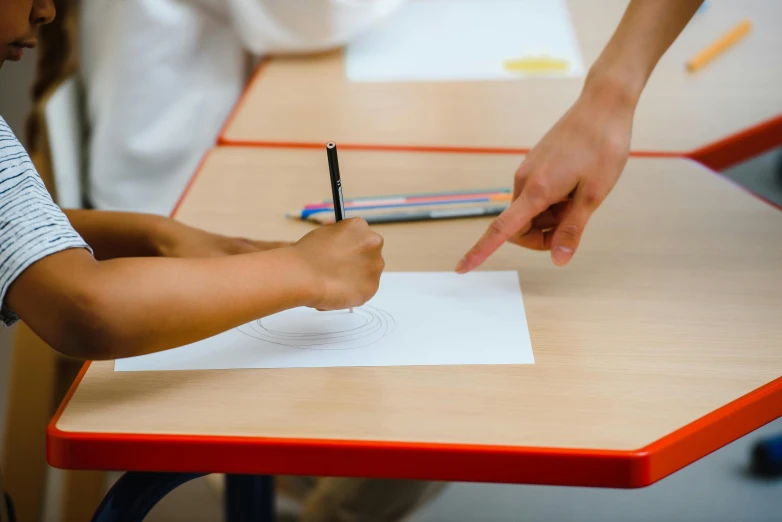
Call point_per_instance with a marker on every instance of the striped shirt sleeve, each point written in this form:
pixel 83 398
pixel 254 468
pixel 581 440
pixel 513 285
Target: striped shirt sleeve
pixel 31 225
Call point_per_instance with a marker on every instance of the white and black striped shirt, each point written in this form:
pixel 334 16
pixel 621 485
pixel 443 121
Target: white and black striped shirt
pixel 31 225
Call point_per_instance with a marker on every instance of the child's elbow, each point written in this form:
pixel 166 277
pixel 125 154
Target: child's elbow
pixel 94 340
pixel 94 332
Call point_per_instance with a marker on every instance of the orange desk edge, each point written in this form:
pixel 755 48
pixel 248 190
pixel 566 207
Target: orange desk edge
pixel 452 462
pixel 740 146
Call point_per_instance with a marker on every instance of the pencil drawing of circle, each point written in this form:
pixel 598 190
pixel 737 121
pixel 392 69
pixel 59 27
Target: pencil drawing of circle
pixel 308 329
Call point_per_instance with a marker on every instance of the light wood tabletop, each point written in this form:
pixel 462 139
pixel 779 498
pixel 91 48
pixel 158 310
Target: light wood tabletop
pixel 309 100
pixel 668 313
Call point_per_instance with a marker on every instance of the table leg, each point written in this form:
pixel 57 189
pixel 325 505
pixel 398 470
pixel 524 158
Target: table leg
pixel 135 494
pixel 249 498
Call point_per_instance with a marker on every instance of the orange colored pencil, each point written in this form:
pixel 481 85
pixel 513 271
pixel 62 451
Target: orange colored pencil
pixel 721 45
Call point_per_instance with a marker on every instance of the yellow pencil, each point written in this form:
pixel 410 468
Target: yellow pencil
pixel 718 47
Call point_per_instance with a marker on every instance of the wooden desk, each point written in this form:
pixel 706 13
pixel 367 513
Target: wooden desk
pixel 308 100
pixel 659 344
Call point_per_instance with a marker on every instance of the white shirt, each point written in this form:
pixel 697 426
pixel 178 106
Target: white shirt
pixel 31 225
pixel 161 77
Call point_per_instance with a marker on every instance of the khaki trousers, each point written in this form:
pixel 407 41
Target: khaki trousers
pixel 363 500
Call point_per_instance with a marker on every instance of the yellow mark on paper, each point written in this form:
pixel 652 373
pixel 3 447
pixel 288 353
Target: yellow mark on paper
pixel 537 65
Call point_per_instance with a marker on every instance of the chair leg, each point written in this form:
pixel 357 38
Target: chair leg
pixel 249 498
pixel 135 494
pixel 30 406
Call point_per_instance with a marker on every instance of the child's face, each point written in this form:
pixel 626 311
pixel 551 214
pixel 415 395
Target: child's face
pixel 18 21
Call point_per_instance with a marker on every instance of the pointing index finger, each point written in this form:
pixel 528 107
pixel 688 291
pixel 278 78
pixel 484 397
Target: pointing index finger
pixel 518 214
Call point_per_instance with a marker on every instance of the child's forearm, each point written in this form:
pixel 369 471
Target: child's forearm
pixel 119 234
pixel 128 307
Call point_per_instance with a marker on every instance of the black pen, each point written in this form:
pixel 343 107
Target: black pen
pixel 336 184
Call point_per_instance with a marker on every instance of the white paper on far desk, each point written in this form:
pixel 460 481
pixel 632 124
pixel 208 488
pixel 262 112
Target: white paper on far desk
pixel 422 318
pixel 452 40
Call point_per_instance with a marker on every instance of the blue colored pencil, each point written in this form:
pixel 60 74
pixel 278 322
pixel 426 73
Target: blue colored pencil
pixel 306 213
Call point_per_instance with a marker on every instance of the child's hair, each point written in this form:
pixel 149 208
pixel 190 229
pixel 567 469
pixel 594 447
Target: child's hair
pixel 57 60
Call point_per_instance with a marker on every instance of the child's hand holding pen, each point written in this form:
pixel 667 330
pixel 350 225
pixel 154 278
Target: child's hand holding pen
pixel 345 262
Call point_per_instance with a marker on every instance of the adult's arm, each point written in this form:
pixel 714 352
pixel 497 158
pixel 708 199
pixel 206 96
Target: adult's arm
pixel 569 173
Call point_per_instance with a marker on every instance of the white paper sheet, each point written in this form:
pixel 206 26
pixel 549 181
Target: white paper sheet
pixel 424 318
pixel 451 40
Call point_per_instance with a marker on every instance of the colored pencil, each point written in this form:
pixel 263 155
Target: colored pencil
pixel 503 190
pixel 419 215
pixel 495 196
pixel 719 46
pixel 307 212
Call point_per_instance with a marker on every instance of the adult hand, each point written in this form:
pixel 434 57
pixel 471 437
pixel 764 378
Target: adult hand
pixel 562 181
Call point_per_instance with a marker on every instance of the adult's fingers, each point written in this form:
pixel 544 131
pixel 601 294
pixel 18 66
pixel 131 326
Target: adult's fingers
pixel 567 235
pixel 535 239
pixel 529 204
pixel 537 235
pixel 520 177
pixel 549 218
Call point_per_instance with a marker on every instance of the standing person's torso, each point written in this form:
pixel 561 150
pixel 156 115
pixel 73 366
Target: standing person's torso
pixel 162 76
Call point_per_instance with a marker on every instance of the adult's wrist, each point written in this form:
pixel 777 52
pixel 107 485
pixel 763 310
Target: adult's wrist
pixel 613 86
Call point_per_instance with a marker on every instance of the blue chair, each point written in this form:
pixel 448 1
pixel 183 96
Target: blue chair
pixel 767 457
pixel 248 498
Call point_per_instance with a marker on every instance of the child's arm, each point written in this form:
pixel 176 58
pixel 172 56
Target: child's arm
pixel 125 307
pixel 124 234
